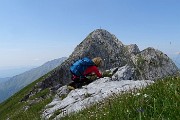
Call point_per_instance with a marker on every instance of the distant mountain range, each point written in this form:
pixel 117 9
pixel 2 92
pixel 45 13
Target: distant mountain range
pixel 9 86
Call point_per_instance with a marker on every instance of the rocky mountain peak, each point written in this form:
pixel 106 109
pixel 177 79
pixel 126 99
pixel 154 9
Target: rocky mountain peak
pixel 101 43
pixel 104 35
pixel 98 39
pixel 148 64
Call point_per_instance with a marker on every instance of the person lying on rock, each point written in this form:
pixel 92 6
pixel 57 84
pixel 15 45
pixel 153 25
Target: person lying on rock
pixel 84 71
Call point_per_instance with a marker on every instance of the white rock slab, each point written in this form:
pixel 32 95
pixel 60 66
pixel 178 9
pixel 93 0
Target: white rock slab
pixel 96 91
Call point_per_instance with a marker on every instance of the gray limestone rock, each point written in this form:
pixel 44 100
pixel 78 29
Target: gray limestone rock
pixel 132 49
pixel 88 95
pixel 153 64
pixel 124 73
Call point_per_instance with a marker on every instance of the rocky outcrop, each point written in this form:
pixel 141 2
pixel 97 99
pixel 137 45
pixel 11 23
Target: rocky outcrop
pixel 132 49
pixel 124 73
pixel 66 102
pixel 153 64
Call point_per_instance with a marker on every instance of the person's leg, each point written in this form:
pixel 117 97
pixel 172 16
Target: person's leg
pixel 81 82
pixel 86 81
pixel 78 83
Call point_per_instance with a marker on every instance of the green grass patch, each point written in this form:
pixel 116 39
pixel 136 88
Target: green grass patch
pixel 57 112
pixel 160 101
pixel 13 109
pixel 41 94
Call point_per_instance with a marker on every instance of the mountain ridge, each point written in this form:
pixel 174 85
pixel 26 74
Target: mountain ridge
pixel 17 82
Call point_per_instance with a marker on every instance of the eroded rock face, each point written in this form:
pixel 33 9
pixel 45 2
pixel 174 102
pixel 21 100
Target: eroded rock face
pixel 66 102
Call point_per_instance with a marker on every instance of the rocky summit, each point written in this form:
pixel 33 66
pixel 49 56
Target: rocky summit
pixel 148 64
pixel 136 69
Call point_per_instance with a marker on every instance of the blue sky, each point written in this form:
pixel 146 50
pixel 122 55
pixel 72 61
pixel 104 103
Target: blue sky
pixel 35 31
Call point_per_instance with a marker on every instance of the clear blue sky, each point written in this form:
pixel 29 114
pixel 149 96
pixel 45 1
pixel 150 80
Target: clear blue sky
pixel 35 31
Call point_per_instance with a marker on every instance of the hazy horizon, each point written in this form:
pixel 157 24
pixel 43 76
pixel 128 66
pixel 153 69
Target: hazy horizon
pixel 14 70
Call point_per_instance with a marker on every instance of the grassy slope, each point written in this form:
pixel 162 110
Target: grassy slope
pixel 158 101
pixel 14 109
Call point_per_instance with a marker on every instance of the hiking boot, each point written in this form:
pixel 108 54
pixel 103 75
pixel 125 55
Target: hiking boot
pixel 70 87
